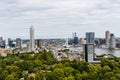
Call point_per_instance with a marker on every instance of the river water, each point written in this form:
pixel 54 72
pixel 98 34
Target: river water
pixel 100 51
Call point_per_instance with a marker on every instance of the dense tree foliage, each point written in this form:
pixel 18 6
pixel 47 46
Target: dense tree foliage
pixel 42 66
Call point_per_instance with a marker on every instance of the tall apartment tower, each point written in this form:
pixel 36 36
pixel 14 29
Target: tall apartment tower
pixel 88 52
pixel 112 41
pixel 90 36
pixel 107 37
pixel 32 40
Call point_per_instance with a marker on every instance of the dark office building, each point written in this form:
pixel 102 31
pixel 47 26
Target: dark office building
pixel 88 52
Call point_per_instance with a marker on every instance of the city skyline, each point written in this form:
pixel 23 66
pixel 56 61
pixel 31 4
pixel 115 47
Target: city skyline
pixel 58 19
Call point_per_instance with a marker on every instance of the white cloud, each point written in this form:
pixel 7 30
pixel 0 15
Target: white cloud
pixel 61 16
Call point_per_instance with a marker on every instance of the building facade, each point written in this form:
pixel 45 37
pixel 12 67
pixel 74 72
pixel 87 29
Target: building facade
pixel 32 40
pixel 90 36
pixel 112 41
pixel 39 43
pixel 107 37
pixel 88 50
pixel 81 41
pixel 75 39
pixel 18 43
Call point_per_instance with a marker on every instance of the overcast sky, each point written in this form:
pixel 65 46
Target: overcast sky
pixel 59 18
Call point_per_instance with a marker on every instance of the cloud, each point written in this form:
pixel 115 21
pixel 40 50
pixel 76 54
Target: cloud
pixel 61 16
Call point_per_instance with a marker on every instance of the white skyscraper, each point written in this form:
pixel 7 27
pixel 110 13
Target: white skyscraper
pixel 112 41
pixel 32 41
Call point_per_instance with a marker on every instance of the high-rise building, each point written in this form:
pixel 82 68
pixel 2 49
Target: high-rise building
pixel 39 43
pixel 32 40
pixel 75 39
pixel 28 46
pixel 81 41
pixel 90 36
pixel 10 43
pixel 18 43
pixel 1 40
pixel 2 44
pixel 88 52
pixel 66 43
pixel 107 37
pixel 112 41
